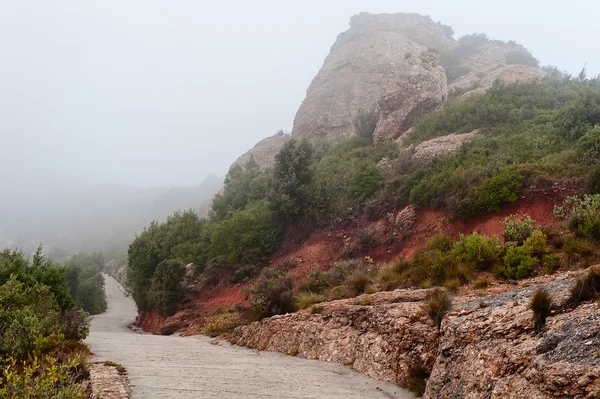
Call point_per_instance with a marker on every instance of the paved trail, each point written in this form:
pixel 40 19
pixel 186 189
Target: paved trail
pixel 175 367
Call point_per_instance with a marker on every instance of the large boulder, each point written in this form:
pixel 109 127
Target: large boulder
pixel 383 63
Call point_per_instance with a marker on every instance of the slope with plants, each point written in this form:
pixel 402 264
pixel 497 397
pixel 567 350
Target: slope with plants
pixel 43 319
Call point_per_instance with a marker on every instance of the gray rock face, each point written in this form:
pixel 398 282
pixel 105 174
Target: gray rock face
pixel 263 152
pixel 487 65
pixel 384 63
pixel 440 146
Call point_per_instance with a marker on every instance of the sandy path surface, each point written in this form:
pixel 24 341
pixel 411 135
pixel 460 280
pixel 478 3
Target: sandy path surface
pixel 176 367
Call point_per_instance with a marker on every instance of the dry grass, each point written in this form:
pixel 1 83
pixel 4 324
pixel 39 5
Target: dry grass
pixel 540 304
pixel 437 305
pixel 305 300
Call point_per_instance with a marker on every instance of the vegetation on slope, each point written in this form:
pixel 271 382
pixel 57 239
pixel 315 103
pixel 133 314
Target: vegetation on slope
pixel 533 134
pixel 41 354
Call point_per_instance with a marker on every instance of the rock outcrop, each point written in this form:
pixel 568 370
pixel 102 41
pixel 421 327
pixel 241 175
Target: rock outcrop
pixel 440 146
pixel 381 335
pixel 488 64
pixel 118 270
pixel 487 348
pixel 493 351
pixel 383 63
pixel 263 152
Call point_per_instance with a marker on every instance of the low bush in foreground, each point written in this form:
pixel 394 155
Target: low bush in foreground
pixel 540 304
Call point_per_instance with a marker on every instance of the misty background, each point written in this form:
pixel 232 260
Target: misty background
pixel 114 113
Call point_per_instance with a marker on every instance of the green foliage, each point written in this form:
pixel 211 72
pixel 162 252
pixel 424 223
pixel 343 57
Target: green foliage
pixel 246 237
pixel 535 244
pixel 521 57
pixel 42 379
pixel 518 263
pixel 582 215
pixel 292 176
pixel 316 281
pixel 243 185
pixel 479 250
pixel 473 40
pixel 551 263
pixel 37 319
pixel 303 299
pixel 221 324
pixel 364 125
pixel 366 181
pixel 83 275
pixel 540 304
pixel 517 229
pixel 272 294
pixel 166 288
pixel 437 304
pixel 594 181
pixel 159 242
pixel 589 145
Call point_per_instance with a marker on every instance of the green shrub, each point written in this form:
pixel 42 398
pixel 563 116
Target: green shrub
pixel 576 249
pixel 441 242
pixel 358 282
pixel 365 123
pixel 338 272
pixel 594 181
pixel 540 304
pixel 582 215
pixel 166 287
pixel 437 304
pixel 43 378
pixel 305 300
pixel 477 249
pixel 551 263
pixel 221 324
pixel 366 181
pixel 316 281
pixel 535 244
pixel 517 229
pixel 74 324
pixel 272 294
pixel 392 276
pixel 481 283
pixel 518 263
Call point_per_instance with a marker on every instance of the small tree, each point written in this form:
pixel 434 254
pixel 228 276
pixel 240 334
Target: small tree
pixel 365 123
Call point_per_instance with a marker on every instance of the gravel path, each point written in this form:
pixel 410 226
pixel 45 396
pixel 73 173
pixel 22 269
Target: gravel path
pixel 177 367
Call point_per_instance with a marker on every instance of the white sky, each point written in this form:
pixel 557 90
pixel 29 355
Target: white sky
pixel 142 92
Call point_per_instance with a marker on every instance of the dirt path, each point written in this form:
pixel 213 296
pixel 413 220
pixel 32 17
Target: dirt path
pixel 176 367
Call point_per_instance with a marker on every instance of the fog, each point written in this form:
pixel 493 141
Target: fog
pixel 155 93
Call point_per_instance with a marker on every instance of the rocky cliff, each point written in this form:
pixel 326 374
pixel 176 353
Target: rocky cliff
pixel 487 346
pixel 385 63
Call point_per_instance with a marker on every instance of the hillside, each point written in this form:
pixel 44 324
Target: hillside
pixel 452 187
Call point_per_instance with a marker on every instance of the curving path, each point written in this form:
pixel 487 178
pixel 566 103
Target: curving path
pixel 176 367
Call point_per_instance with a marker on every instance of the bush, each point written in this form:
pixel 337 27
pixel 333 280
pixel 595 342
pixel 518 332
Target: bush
pixel 338 272
pixel 540 304
pixel 437 304
pixel 305 300
pixel 272 294
pixel 440 242
pixel 43 378
pixel 365 123
pixel 166 287
pixel 75 324
pixel 392 276
pixel 517 229
pixel 518 263
pixel 477 249
pixel 416 380
pixel 221 324
pixel 481 283
pixel 366 181
pixel 535 244
pixel 316 281
pixel 582 215
pixel 586 288
pixel 551 263
pixel 358 282
pixel 577 249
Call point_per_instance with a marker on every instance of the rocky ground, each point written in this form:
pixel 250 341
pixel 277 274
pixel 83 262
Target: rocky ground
pixel 176 367
pixel 487 346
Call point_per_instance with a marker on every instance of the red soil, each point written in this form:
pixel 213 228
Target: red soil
pixel 324 246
